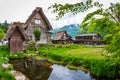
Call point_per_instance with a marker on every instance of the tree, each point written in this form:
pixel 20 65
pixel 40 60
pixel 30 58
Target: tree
pixel 108 25
pixel 61 10
pixel 4 26
pixel 113 38
pixel 1 34
pixel 37 34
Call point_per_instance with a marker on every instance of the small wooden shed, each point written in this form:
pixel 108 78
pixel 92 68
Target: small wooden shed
pixel 16 36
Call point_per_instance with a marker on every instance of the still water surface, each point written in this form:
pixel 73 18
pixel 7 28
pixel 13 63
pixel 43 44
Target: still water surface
pixel 60 72
pixel 40 70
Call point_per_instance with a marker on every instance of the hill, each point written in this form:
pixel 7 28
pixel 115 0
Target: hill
pixel 71 29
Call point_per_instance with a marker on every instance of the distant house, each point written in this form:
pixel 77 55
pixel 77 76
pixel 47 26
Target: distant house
pixel 88 39
pixel 62 37
pixel 38 20
pixel 16 36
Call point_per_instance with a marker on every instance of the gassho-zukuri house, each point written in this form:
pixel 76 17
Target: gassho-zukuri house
pixel 62 37
pixel 38 20
pixel 18 33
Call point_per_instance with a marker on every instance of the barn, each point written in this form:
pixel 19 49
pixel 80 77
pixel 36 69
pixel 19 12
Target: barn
pixel 16 37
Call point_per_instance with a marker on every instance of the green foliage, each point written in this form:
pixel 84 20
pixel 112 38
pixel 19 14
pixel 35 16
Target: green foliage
pixel 6 75
pixel 113 39
pixel 37 34
pixel 91 15
pixel 4 51
pixel 61 10
pixel 1 34
pixel 101 26
pixel 108 68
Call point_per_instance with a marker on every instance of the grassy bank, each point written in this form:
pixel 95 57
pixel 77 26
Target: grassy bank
pixel 4 59
pixel 90 57
pixel 5 73
pixel 76 55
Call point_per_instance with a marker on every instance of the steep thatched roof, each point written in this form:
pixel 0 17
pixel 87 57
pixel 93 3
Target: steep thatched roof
pixel 59 35
pixel 14 26
pixel 39 10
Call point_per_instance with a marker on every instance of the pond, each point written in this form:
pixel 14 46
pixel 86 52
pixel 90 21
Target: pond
pixel 42 70
pixel 60 72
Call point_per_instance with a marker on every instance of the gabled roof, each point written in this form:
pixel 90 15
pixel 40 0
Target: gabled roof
pixel 39 10
pixel 14 26
pixel 59 35
pixel 90 34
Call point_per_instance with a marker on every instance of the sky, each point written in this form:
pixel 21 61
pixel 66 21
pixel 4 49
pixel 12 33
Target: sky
pixel 20 10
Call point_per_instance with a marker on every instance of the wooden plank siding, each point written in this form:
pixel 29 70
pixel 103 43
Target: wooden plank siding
pixel 16 42
pixel 38 20
pixel 88 39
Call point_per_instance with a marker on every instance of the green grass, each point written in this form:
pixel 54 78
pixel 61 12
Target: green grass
pixel 93 53
pixel 81 51
pixel 72 54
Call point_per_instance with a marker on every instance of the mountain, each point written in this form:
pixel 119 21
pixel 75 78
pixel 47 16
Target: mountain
pixel 71 29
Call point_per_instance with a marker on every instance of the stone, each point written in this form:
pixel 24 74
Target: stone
pixel 18 75
pixel 6 66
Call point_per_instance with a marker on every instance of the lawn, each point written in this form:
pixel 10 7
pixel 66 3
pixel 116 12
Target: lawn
pixel 81 51
pixel 94 52
pixel 72 54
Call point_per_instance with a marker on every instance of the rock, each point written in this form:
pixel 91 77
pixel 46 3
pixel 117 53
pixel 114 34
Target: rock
pixel 6 66
pixel 18 75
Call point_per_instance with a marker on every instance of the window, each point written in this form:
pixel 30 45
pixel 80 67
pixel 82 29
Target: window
pixel 64 36
pixel 37 21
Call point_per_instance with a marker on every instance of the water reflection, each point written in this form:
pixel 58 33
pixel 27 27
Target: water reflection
pixel 33 69
pixel 41 70
pixel 63 73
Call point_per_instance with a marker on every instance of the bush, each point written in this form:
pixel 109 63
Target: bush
pixel 31 45
pixel 37 34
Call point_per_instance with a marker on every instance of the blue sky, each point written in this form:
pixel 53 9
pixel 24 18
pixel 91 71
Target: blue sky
pixel 19 10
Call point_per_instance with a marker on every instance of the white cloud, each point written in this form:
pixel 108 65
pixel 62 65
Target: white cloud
pixel 19 10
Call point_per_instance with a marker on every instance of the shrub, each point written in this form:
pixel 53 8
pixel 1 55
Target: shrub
pixel 31 45
pixel 37 34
